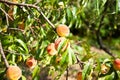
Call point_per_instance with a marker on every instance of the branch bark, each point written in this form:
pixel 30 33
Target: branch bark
pixel 99 39
pixel 6 16
pixel 67 74
pixel 3 55
pixel 31 6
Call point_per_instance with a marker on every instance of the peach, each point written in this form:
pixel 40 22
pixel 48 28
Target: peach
pixel 31 62
pixel 116 64
pixel 51 49
pixel 104 69
pixel 79 76
pixel 59 41
pixel 62 30
pixel 13 73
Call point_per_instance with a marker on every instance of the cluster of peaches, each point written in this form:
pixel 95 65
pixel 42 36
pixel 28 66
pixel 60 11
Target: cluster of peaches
pixel 14 72
pixel 61 43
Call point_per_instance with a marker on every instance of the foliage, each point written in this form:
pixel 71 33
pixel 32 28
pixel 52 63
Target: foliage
pixel 24 32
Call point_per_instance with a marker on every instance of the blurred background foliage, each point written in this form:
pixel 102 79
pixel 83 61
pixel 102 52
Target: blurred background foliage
pixel 26 33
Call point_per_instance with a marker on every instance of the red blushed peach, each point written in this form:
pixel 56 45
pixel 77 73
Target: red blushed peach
pixel 62 30
pixel 58 41
pixel 13 73
pixel 116 64
pixel 61 40
pixel 31 62
pixel 51 49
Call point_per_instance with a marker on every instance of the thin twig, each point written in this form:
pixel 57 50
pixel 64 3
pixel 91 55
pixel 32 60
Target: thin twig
pixel 79 62
pixel 39 10
pixel 29 5
pixel 3 55
pixel 14 52
pixel 6 15
pixel 31 12
pixel 17 29
pixel 32 31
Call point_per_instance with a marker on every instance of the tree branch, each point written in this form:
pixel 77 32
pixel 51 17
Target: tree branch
pixel 99 40
pixel 6 16
pixel 3 56
pixel 67 70
pixel 29 5
pixel 79 62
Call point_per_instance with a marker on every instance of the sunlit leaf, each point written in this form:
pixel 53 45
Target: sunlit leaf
pixel 35 71
pixel 22 44
pixel 23 77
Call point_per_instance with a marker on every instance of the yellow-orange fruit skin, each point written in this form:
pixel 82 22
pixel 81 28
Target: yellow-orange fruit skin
pixel 51 49
pixel 116 64
pixel 104 69
pixel 13 73
pixel 62 30
pixel 31 62
pixel 79 76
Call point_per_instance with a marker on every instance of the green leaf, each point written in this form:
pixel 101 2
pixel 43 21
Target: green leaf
pixel 35 71
pixel 109 77
pixel 22 44
pixel 6 39
pixel 61 45
pixel 2 72
pixel 69 14
pixel 87 69
pixel 69 57
pixel 64 58
pixel 74 60
pixel 23 77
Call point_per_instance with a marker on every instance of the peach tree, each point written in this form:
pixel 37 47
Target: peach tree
pixel 36 35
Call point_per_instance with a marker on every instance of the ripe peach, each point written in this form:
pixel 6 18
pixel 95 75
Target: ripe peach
pixel 59 41
pixel 13 73
pixel 116 64
pixel 51 49
pixel 62 30
pixel 79 76
pixel 104 69
pixel 31 62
